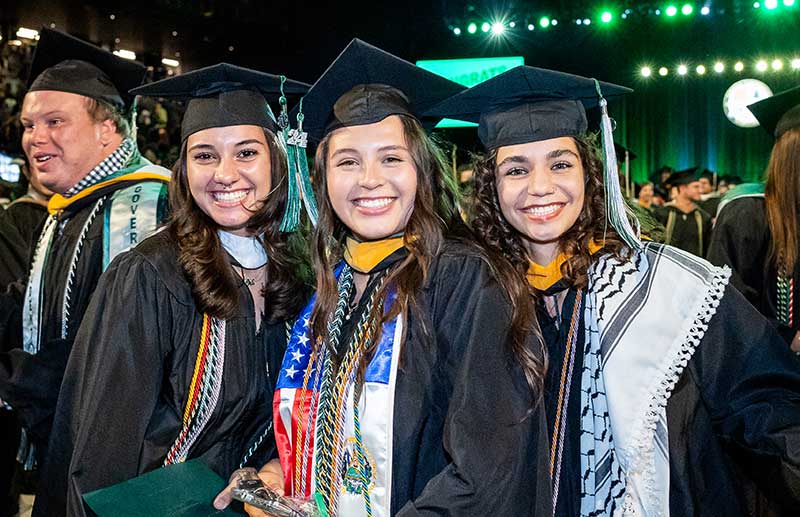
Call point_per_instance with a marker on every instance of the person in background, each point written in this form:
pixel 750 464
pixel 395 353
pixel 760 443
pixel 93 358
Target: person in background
pixel 687 226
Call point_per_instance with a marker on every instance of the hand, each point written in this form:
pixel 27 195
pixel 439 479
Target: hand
pixel 796 343
pixel 270 474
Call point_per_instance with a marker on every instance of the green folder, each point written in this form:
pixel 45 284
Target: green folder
pixel 186 489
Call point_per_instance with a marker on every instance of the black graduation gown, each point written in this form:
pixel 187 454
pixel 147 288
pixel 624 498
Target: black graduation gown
pixel 30 383
pixel 685 234
pixel 733 420
pixel 742 240
pixel 127 381
pixel 468 438
pixel 19 228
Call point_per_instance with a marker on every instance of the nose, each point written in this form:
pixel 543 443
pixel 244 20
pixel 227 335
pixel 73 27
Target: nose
pixel 227 172
pixel 38 134
pixel 540 183
pixel 371 176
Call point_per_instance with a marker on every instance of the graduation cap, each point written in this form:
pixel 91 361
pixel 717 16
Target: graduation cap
pixel 64 63
pixel 683 177
pixel 223 95
pixel 623 151
pixel 365 85
pixel 528 104
pixel 779 113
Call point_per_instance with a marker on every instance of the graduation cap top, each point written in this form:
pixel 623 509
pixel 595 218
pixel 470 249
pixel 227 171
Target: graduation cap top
pixel 622 151
pixel 683 177
pixel 223 95
pixel 527 104
pixel 364 85
pixel 64 63
pixel 779 113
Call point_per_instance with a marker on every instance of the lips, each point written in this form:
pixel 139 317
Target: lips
pixel 373 205
pixel 229 197
pixel 543 212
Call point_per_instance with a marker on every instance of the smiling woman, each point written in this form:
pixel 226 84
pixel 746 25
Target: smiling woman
pixel 173 360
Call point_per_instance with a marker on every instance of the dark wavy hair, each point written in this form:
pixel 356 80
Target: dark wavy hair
pixel 203 259
pixel 499 236
pixel 435 215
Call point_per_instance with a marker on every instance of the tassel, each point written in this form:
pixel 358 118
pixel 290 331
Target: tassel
pixel 618 213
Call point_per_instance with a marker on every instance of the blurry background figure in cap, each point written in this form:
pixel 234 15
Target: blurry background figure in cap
pixel 756 233
pixel 687 226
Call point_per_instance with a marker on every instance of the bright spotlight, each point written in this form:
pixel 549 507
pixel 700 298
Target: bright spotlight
pixel 672 10
pixel 701 70
pixel 663 71
pixel 531 26
pixel 683 70
pixel 646 72
pixel 777 64
pixel 739 66
pixel 472 28
pixel 705 10
pixel 498 28
pixel 457 31
pixel 544 22
pixel 485 27
pixel 687 9
pixel 771 4
pixel 606 17
pixel 719 67
pixel 796 64
pixel 762 66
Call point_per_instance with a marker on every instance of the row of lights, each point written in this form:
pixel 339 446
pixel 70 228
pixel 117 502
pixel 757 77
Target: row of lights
pixel 605 17
pixel 33 35
pixel 719 67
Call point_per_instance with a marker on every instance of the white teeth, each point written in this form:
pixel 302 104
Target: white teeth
pixel 42 159
pixel 229 197
pixel 543 210
pixel 373 203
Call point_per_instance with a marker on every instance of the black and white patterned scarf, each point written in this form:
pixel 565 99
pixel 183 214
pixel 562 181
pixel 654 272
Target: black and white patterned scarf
pixel 115 161
pixel 644 318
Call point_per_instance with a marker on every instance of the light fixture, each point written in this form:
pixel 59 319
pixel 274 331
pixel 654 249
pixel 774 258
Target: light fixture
pixel 26 33
pixel 125 54
pixel 762 66
pixel 663 71
pixel 646 71
pixel 174 63
pixel 739 66
pixel 683 70
pixel 701 70
pixel 777 64
pixel 498 28
pixel 719 67
pixel 472 28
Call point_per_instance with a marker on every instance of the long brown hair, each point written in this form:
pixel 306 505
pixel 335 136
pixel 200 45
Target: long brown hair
pixel 435 215
pixel 498 235
pixel 203 259
pixel 782 195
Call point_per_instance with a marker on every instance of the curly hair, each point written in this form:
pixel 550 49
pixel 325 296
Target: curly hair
pixel 499 236
pixel 435 216
pixel 203 259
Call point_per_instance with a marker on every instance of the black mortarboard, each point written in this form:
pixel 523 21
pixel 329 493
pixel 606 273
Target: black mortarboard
pixel 622 151
pixel 683 177
pixel 779 113
pixel 527 104
pixel 707 174
pixel 365 84
pixel 64 63
pixel 223 95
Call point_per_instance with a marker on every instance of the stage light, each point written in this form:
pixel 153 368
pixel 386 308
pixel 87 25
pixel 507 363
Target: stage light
pixel 705 10
pixel 756 5
pixel 125 54
pixel 485 26
pixel 15 43
pixel 512 24
pixel 739 66
pixel 788 3
pixel 777 64
pixel 671 10
pixel 683 70
pixel 646 71
pixel 498 28
pixel 771 4
pixel 663 71
pixel 796 64
pixel 26 33
pixel 687 9
pixel 472 28
pixel 658 12
pixel 606 17
pixel 762 66
pixel 719 67
pixel 587 21
pixel 554 22
pixel 170 62
pixel 701 70
pixel 531 26
pixel 578 22
pixel 544 22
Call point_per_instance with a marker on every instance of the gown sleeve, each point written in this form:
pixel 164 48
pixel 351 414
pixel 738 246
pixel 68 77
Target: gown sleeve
pixel 111 386
pixel 494 432
pixel 750 382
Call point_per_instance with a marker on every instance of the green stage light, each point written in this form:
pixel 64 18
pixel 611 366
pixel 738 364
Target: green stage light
pixel 672 10
pixel 739 66
pixel 485 26
pixel 512 24
pixel 531 26
pixel 719 67
pixel 554 22
pixel 472 28
pixel 682 69
pixel 498 28
pixel 796 63
pixel 771 4
pixel 756 5
pixel 705 10
pixel 777 65
pixel 646 71
pixel 687 9
pixel 663 71
pixel 544 22
pixel 606 17
pixel 457 31
pixel 762 66
pixel 701 70
pixel 788 3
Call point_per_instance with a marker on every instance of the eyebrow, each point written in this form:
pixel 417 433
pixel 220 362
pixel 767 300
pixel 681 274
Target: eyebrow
pixel 392 148
pixel 201 146
pixel 43 115
pixel 513 159
pixel 344 150
pixel 249 142
pixel 560 152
